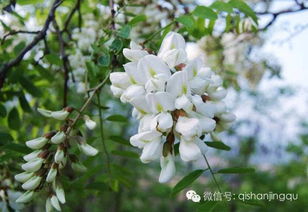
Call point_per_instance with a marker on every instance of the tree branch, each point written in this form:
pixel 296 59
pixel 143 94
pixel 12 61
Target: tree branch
pixel 41 35
pixel 275 15
pixel 65 61
pixel 14 32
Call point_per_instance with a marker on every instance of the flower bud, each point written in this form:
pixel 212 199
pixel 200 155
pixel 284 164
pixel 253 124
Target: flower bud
pixel 60 193
pixel 55 203
pixel 152 151
pixel 37 143
pixel 46 113
pixel 89 123
pixel 59 156
pixel 25 197
pixel 78 167
pixel 48 206
pixel 58 138
pixel 60 115
pixel 23 177
pixel 189 150
pixel 167 168
pixel 88 149
pixel 51 176
pixel 32 183
pixel 32 155
pixel 33 165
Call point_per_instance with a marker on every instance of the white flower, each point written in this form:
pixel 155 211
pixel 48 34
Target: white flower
pixel 51 176
pixel 141 104
pixel 135 75
pixel 88 149
pixel 55 203
pixel 174 57
pixel 188 127
pixel 205 108
pixel 33 165
pixel 58 138
pixel 167 168
pixel 120 81
pixel 151 151
pixel 160 102
pixel 32 155
pixel 60 193
pixel 48 206
pixel 32 183
pixel 24 176
pixel 152 65
pixel 227 117
pixel 218 94
pixel 89 122
pixel 141 139
pixel 135 52
pixel 131 92
pixel 162 122
pixel 189 150
pixel 59 156
pixel 172 41
pixel 59 115
pixel 25 197
pixel 37 143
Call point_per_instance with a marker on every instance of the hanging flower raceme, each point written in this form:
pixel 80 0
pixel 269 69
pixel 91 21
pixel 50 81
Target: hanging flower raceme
pixel 44 165
pixel 176 101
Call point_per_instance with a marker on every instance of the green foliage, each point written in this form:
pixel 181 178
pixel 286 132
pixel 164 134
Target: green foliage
pixel 187 181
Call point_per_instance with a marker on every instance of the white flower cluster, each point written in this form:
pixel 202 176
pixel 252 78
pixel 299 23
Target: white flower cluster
pixel 176 101
pixel 44 164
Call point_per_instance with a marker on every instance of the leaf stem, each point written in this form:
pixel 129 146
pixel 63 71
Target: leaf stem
pixel 212 173
pixel 101 123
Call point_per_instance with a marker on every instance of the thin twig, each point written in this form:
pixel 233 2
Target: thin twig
pixel 7 66
pixel 275 15
pixel 86 104
pixel 157 32
pixel 71 14
pixel 14 32
pixel 65 62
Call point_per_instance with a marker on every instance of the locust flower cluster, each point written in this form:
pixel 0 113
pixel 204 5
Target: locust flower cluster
pixel 176 101
pixel 44 166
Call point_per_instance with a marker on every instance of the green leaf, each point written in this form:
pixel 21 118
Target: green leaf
pixel 137 19
pixel 5 138
pixel 243 7
pixel 2 111
pixel 236 170
pixel 222 6
pixel 53 59
pixel 125 32
pixel 205 12
pixel 218 145
pixel 207 206
pixel 116 45
pixel 129 154
pixel 104 60
pixel 24 103
pixel 117 118
pixel 120 140
pixel 29 87
pixel 187 20
pixel 25 2
pixel 186 181
pixel 17 148
pixel 14 119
